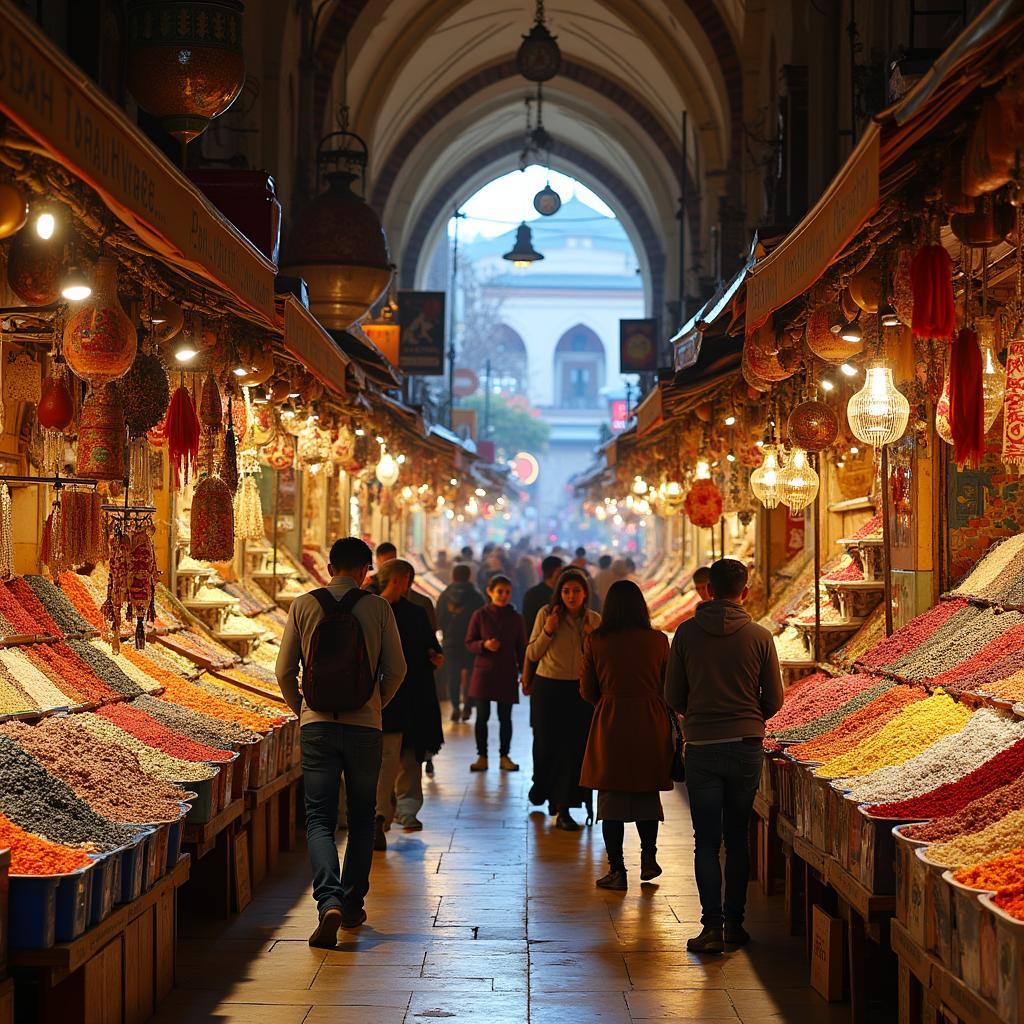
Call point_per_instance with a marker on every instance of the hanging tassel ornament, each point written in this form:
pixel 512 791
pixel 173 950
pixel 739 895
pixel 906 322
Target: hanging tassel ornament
pixel 931 282
pixel 229 454
pixel 182 430
pixel 966 399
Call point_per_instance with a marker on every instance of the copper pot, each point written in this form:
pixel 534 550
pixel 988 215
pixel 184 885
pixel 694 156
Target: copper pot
pixel 33 268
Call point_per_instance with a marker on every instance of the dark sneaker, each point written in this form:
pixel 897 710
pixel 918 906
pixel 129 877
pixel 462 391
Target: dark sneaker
pixel 736 935
pixel 566 822
pixel 467 713
pixel 380 841
pixel 649 866
pixel 352 918
pixel 710 940
pixel 456 715
pixel 614 880
pixel 326 934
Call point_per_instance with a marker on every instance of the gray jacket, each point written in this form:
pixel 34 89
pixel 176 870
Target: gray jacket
pixel 382 645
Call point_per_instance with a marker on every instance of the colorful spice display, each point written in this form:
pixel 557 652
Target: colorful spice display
pixel 18 618
pixel 69 621
pixel 31 855
pixel 1001 872
pixel 1011 900
pixel 914 633
pixel 107 777
pixel 999 657
pixel 903 737
pixel 865 639
pixel 26 597
pixel 995 573
pixel 185 693
pixel 994 840
pixel 35 683
pixel 32 798
pixel 81 598
pixel 849 570
pixel 214 732
pixel 947 759
pixel 140 677
pixel 69 673
pixel 1010 688
pixel 828 721
pixel 13 698
pixel 154 762
pixel 105 668
pixel 872 529
pixel 147 729
pixel 977 815
pixel 233 695
pixel 815 696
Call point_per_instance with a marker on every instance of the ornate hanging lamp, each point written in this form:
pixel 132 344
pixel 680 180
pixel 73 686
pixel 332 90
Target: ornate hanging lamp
pixel 522 254
pixel 798 482
pixel 539 58
pixel 993 376
pixel 764 481
pixel 879 412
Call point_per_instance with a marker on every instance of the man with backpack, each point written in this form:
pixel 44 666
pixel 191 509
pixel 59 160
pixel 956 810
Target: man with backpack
pixel 348 646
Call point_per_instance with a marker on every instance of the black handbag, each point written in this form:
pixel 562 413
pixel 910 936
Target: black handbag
pixel 678 763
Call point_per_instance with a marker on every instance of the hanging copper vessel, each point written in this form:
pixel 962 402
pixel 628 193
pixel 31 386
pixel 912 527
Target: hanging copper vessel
pixel 101 438
pixel 100 340
pixel 813 426
pixel 34 267
pixel 185 60
pixel 337 244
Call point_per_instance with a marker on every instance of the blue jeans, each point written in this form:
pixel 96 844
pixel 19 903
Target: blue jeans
pixel 330 749
pixel 722 780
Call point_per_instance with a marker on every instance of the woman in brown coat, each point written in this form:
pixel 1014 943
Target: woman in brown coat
pixel 629 750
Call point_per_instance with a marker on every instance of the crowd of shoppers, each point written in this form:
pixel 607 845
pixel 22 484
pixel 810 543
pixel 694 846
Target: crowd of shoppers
pixel 604 690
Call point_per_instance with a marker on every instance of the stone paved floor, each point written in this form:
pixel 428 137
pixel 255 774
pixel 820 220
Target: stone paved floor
pixel 490 916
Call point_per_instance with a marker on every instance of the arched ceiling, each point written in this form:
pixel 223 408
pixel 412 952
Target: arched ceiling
pixel 432 86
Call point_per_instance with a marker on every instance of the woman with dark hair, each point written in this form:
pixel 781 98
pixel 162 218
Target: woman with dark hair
pixel 497 637
pixel 560 717
pixel 629 751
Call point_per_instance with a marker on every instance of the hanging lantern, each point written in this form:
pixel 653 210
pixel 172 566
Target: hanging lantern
pixel 99 340
pixel 248 510
pixel 13 209
pixel 101 437
pixel 539 58
pixel 522 254
pixel 145 393
pixel 387 469
pixel 34 268
pixel 813 426
pixel 185 61
pixel 823 341
pixel 337 244
pixel 993 376
pixel 56 407
pixel 213 521
pixel 764 481
pixel 798 483
pixel 703 503
pixel 878 413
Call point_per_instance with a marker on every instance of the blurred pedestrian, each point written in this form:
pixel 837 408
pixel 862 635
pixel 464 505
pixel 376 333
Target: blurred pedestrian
pixel 455 608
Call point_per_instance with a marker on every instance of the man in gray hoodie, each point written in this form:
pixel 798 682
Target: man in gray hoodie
pixel 723 676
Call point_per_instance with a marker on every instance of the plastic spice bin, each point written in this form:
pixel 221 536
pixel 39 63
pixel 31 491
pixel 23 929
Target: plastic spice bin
pixel 105 877
pixel 132 864
pixel 74 900
pixel 33 911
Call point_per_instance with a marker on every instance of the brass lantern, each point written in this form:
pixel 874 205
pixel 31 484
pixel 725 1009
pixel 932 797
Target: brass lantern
pixel 539 58
pixel 337 244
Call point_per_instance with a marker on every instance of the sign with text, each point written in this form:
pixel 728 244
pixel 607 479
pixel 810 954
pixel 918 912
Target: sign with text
pixel 638 346
pixel 619 414
pixel 421 346
pixel 306 339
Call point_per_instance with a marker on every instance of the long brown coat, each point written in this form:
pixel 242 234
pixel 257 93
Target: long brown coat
pixel 630 744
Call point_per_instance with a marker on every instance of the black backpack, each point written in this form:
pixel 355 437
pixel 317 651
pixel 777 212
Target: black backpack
pixel 338 675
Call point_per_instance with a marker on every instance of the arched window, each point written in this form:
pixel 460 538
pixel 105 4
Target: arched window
pixel 507 353
pixel 579 369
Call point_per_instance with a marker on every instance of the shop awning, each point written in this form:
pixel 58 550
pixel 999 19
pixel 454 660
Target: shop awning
pixel 309 342
pixel 56 105
pixel 356 344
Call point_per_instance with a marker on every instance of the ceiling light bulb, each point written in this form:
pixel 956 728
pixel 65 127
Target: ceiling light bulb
pixel 185 352
pixel 730 421
pixel 75 287
pixel 854 450
pixel 480 492
pixel 239 371
pixel 400 459
pixel 731 457
pixel 46 224
pixel 827 385
pixel 380 440
pixel 851 332
pixel 847 370
pixel 360 432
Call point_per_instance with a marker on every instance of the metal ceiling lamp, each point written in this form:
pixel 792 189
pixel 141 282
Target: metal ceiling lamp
pixel 547 202
pixel 539 58
pixel 523 253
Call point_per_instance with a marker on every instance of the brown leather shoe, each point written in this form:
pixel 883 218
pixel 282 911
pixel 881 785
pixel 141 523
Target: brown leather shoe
pixel 326 934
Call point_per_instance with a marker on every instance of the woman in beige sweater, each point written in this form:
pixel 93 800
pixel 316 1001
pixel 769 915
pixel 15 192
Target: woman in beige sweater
pixel 559 715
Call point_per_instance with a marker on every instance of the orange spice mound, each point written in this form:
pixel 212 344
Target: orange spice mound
pixel 1004 872
pixel 858 726
pixel 1012 901
pixel 148 665
pixel 180 691
pixel 1010 688
pixel 32 855
pixel 81 598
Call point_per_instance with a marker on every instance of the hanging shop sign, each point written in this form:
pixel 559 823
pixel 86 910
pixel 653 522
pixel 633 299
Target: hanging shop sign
pixel 525 468
pixel 619 415
pixel 464 423
pixel 421 347
pixel 650 413
pixel 638 346
pixel 808 250
pixel 307 340
pixel 56 105
pixel 465 382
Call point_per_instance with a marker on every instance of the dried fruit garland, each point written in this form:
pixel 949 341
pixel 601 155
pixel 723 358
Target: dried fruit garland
pixel 131 584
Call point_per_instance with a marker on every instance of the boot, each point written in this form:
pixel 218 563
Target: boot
pixel 480 764
pixel 380 841
pixel 614 880
pixel 507 764
pixel 649 866
pixel 566 822
pixel 326 934
pixel 735 934
pixel 710 940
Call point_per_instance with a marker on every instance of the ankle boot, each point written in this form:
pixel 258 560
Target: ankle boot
pixel 649 866
pixel 614 880
pixel 710 940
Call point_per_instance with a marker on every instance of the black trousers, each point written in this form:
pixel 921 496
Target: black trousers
pixel 561 725
pixel 483 713
pixel 615 831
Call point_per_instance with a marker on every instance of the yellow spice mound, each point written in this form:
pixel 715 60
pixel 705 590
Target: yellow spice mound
pixel 999 838
pixel 900 739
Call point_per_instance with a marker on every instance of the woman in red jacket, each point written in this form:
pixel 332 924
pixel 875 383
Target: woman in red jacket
pixel 497 637
pixel 629 750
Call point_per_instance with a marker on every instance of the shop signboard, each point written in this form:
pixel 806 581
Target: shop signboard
pixel 421 346
pixel 619 415
pixel 650 413
pixel 307 340
pixel 638 346
pixel 54 103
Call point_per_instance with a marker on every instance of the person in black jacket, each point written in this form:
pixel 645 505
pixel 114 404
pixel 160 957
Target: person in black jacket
pixel 455 608
pixel 539 596
pixel 412 721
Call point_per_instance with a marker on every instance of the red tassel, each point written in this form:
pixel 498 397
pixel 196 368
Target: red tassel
pixel 931 282
pixel 966 399
pixel 182 430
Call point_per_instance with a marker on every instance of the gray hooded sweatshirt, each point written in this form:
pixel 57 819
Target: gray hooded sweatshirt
pixel 723 674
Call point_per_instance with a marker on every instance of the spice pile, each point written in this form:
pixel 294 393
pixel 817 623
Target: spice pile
pixel 1003 872
pixel 105 775
pixel 214 732
pixel 995 575
pixel 994 840
pixel 824 723
pixel 81 598
pixel 31 855
pixel 1011 900
pixel 68 672
pixel 815 696
pixel 68 619
pixel 913 634
pixel 186 694
pixel 13 698
pixel 15 663
pixel 973 818
pixel 147 729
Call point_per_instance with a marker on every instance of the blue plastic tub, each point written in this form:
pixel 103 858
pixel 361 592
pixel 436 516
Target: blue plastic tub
pixel 132 865
pixel 33 911
pixel 74 900
pixel 105 877
pixel 155 862
pixel 175 834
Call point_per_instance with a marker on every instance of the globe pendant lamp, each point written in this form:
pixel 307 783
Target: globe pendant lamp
pixel 879 412
pixel 523 253
pixel 337 243
pixel 764 481
pixel 539 58
pixel 387 469
pixel 993 376
pixel 813 426
pixel 798 483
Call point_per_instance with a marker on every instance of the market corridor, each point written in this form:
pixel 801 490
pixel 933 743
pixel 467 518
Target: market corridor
pixel 490 915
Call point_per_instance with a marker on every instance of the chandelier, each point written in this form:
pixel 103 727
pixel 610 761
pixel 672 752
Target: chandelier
pixel 764 481
pixel 539 58
pixel 879 412
pixel 798 483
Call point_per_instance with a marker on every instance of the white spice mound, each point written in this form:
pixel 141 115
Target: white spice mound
pixel 33 682
pixel 986 733
pixel 990 568
pixel 144 681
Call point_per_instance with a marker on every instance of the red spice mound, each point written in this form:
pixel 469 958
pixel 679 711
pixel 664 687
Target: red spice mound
pixel 872 528
pixel 817 696
pixel 19 617
pixel 859 725
pixel 32 855
pixel 980 666
pixel 912 635
pixel 64 668
pixel 1012 901
pixel 81 598
pixel 952 797
pixel 1003 872
pixel 152 733
pixel 974 817
pixel 26 597
pixel 850 573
